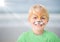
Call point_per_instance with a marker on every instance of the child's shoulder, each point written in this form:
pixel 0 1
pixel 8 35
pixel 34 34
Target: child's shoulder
pixel 25 33
pixel 51 34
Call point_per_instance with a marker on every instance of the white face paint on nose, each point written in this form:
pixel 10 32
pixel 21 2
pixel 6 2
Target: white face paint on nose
pixel 39 22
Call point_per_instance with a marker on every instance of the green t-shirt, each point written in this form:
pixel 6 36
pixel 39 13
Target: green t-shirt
pixel 45 37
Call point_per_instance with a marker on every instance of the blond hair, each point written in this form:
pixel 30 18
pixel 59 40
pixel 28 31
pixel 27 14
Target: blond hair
pixel 37 8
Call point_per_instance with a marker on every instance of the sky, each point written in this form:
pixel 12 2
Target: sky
pixel 22 6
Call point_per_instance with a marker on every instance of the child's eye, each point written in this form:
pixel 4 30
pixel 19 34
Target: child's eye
pixel 34 17
pixel 42 18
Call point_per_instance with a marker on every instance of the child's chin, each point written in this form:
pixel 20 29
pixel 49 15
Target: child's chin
pixel 38 28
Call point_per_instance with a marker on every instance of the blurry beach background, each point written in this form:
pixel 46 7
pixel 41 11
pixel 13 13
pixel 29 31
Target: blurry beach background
pixel 14 15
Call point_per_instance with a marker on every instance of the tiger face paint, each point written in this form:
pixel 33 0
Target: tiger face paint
pixel 38 18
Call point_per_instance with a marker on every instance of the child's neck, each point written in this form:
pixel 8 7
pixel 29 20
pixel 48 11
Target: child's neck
pixel 38 32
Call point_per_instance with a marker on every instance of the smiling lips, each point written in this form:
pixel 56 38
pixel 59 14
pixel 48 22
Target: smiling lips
pixel 39 23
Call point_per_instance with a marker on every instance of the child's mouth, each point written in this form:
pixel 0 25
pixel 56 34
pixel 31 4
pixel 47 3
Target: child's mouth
pixel 39 23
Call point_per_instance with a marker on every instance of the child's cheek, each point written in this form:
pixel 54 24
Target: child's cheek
pixel 32 21
pixel 45 21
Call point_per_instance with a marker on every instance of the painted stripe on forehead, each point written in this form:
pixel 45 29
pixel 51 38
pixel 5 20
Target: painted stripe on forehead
pixel 35 13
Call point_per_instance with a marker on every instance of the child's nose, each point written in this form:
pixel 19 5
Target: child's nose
pixel 38 21
pixel 39 18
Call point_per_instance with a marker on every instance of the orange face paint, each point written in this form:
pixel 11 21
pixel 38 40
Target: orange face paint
pixel 39 13
pixel 38 17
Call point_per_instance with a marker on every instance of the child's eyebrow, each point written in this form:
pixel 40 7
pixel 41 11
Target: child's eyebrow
pixel 44 16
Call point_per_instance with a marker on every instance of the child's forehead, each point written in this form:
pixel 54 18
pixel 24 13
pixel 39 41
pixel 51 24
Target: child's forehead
pixel 38 13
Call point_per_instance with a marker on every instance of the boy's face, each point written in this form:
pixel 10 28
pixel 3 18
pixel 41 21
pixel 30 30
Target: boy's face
pixel 38 20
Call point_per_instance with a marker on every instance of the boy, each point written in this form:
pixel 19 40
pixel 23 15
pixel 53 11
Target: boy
pixel 38 18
